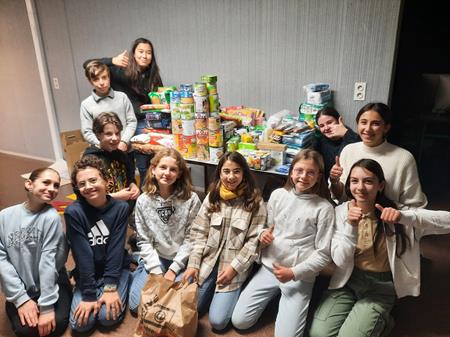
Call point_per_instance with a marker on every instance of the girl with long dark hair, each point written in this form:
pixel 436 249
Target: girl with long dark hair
pixel 224 238
pixel 403 184
pixel 376 249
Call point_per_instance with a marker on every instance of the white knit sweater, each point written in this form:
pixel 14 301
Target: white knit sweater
pixel 399 167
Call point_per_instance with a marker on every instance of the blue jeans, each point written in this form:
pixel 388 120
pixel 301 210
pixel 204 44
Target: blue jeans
pixel 122 288
pixel 222 303
pixel 140 276
pixel 142 160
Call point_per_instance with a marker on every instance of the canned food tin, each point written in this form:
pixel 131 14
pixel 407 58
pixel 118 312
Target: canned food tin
pixel 201 123
pixel 200 89
pixel 186 96
pixel 215 138
pixel 213 102
pixel 201 115
pixel 202 136
pixel 231 146
pixel 175 110
pixel 187 100
pixel 187 110
pixel 177 126
pixel 188 127
pixel 214 123
pixel 187 87
pixel 209 78
pixel 212 88
pixel 178 141
pixel 174 97
pixel 201 103
pixel 202 152
pixel 215 153
pixel 189 147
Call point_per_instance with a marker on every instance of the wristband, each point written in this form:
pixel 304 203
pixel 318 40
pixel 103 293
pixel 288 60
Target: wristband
pixel 109 288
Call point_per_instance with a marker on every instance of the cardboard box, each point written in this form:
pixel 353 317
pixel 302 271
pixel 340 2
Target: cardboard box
pixel 271 146
pixel 257 160
pixel 74 145
pixel 277 152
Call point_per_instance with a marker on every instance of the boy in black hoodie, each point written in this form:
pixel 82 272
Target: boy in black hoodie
pixel 121 182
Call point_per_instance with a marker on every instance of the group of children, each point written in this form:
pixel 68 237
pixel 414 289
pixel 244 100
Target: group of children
pixel 215 244
pixel 372 247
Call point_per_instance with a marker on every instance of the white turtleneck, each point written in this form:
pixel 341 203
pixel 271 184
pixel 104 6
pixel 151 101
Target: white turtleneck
pixel 399 167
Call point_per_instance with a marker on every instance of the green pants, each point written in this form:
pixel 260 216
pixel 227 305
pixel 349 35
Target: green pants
pixel 360 309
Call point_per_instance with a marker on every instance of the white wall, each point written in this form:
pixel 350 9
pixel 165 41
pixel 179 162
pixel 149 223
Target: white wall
pixel 263 51
pixel 25 126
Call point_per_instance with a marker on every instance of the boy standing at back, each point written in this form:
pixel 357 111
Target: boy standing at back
pixel 104 98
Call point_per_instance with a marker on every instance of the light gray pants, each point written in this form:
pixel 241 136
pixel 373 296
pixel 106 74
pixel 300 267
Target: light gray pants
pixel 293 307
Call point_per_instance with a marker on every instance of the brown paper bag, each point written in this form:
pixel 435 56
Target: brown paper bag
pixel 167 309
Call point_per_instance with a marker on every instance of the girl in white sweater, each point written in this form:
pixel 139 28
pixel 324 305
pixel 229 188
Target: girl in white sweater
pixel 296 246
pixel 164 214
pixel 376 250
pixel 400 170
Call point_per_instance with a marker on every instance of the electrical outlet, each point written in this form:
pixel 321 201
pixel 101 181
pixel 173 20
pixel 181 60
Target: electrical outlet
pixel 359 94
pixel 55 83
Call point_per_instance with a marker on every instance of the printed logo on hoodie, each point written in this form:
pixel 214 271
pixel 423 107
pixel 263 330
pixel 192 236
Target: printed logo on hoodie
pixel 30 235
pixel 165 213
pixel 99 234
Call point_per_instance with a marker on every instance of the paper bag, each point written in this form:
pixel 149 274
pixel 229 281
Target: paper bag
pixel 167 308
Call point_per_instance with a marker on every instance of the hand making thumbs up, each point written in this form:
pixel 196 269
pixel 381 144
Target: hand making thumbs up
pixel 338 130
pixel 388 214
pixel 121 60
pixel 336 171
pixel 354 214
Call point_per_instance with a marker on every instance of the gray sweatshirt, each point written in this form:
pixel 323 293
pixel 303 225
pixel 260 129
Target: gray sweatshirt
pixel 163 227
pixel 32 250
pixel 115 101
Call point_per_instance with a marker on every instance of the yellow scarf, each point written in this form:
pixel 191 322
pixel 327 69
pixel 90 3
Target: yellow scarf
pixel 226 194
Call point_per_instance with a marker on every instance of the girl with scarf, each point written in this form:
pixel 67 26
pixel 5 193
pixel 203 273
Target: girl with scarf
pixel 225 238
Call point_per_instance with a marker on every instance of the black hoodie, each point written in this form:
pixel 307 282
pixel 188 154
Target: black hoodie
pixel 117 165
